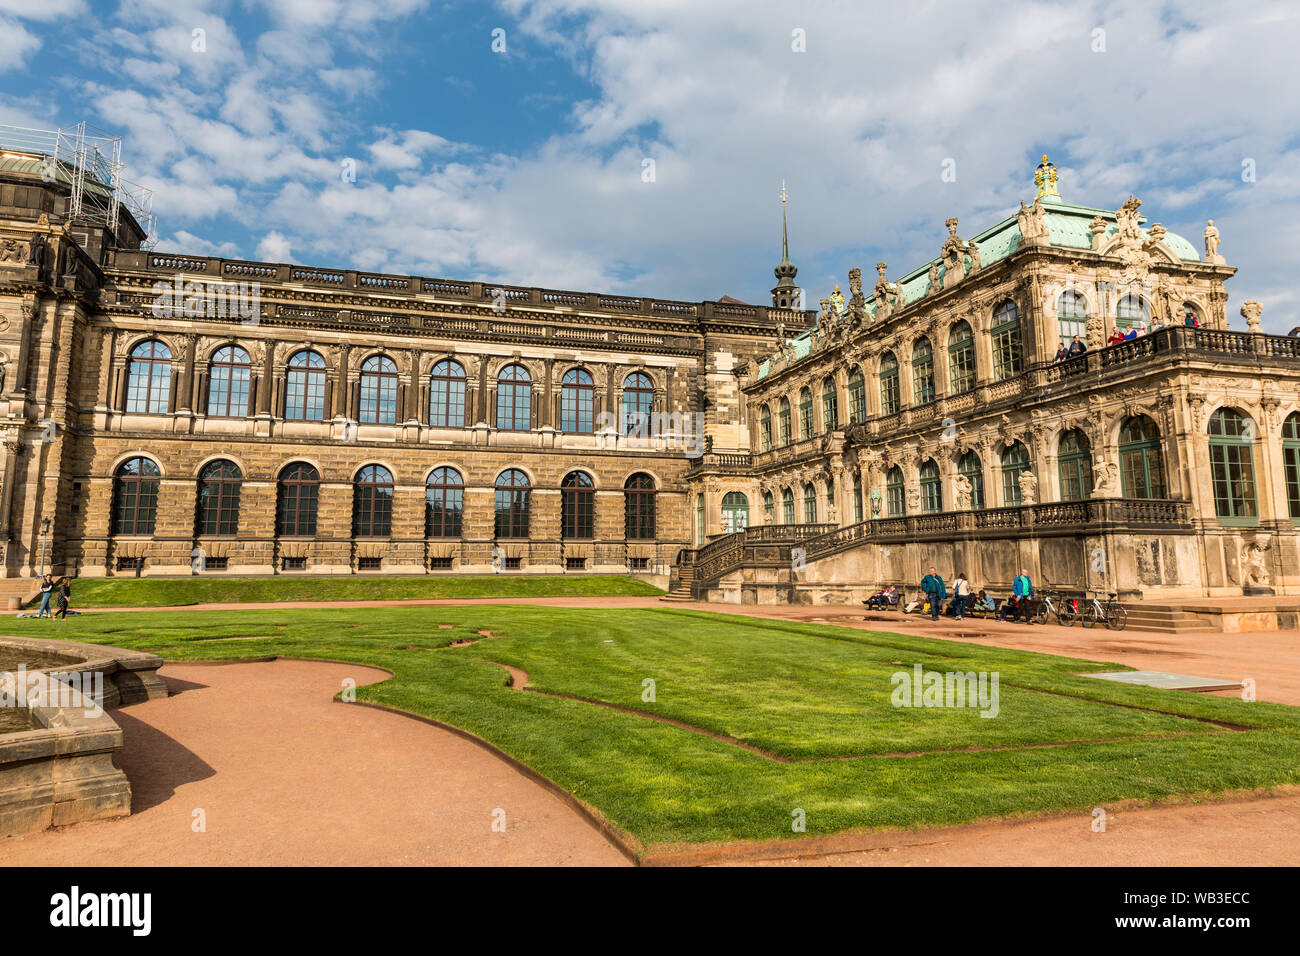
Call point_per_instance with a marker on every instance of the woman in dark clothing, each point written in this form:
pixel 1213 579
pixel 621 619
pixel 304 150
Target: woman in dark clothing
pixel 65 595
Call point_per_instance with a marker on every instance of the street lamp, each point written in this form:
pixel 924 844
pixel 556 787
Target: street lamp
pixel 45 530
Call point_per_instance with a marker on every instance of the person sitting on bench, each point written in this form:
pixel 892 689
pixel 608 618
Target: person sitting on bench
pixel 887 598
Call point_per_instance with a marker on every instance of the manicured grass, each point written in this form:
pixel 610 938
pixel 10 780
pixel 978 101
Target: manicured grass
pixel 173 592
pixel 804 691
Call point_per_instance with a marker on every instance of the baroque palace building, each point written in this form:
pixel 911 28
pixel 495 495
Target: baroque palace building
pixel 165 413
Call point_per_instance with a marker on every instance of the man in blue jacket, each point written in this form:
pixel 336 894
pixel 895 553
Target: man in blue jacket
pixel 1023 589
pixel 935 592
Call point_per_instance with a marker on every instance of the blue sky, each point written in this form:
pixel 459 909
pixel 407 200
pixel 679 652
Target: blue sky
pixel 526 166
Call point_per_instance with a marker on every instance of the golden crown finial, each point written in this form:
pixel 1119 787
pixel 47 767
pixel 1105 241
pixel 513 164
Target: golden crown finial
pixel 1044 159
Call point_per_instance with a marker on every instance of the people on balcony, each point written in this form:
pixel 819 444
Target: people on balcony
pixel 1077 347
pixel 1062 353
pixel 1116 336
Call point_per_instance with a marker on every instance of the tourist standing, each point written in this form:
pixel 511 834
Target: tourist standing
pixel 935 592
pixel 1062 353
pixel 47 591
pixel 65 595
pixel 1077 347
pixel 960 595
pixel 1023 588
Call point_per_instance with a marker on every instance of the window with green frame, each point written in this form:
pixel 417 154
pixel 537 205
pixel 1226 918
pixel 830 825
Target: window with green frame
pixel 830 404
pixel 787 506
pixel 1072 317
pixel 1074 463
pixel 1232 467
pixel 961 359
pixel 769 508
pixel 971 466
pixel 857 498
pixel 1291 463
pixel 830 498
pixel 783 421
pixel 699 520
pixel 931 492
pixel 809 504
pixel 922 372
pixel 889 400
pixel 895 503
pixel 1014 460
pixel 765 429
pixel 857 397
pixel 1141 459
pixel 735 511
pixel 1131 309
pixel 1008 357
pixel 806 413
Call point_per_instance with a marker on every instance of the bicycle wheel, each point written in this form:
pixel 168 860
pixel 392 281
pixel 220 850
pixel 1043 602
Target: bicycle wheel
pixel 1066 615
pixel 1116 617
pixel 1040 613
pixel 1090 615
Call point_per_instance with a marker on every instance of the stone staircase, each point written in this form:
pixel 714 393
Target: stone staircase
pixel 1166 619
pixel 682 589
pixel 22 588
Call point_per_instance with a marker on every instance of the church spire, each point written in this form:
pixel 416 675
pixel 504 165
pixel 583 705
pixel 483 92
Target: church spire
pixel 785 293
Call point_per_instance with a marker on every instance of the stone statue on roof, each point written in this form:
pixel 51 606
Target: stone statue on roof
pixel 973 251
pixel 934 277
pixel 1211 235
pixel 1033 230
pixel 952 252
pixel 1126 218
pixel 1045 179
pixel 857 301
pixel 881 293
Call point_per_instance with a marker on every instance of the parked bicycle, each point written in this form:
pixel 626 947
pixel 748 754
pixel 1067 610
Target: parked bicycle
pixel 1067 611
pixel 1112 613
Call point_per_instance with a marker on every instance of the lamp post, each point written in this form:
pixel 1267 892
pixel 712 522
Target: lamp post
pixel 45 530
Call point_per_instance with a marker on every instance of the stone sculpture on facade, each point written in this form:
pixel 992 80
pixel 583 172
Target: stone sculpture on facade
pixel 1098 227
pixel 1254 562
pixel 1251 310
pixel 1211 236
pixel 965 493
pixel 1028 488
pixel 1105 478
pixel 1033 230
pixel 880 293
pixel 857 301
pixel 933 276
pixel 13 250
pixel 952 253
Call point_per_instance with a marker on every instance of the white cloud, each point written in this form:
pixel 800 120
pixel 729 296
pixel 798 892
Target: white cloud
pixel 274 248
pixel 16 44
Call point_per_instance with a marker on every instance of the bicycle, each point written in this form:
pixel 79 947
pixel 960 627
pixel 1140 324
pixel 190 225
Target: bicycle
pixel 1066 614
pixel 1112 614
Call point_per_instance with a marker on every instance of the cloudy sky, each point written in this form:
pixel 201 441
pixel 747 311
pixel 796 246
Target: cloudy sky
pixel 512 141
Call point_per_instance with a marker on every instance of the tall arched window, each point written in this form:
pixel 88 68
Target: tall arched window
pixel 1291 463
pixel 218 504
pixel 1074 461
pixel 769 508
pixel 304 398
pixel 447 395
pixel 806 426
pixel 973 469
pixel 857 496
pixel 299 493
pixel 149 379
pixel 783 421
pixel 809 504
pixel 765 428
pixel 229 375
pixel 444 503
pixel 639 508
pixel 638 404
pixel 577 506
pixel 735 511
pixel 830 404
pixel 372 502
pixel 1008 357
pixel 889 398
pixel 514 399
pixel 961 358
pixel 1192 314
pixel 931 490
pixel 1071 317
pixel 512 504
pixel 895 501
pixel 1141 460
pixel 787 506
pixel 379 390
pixel 1014 460
pixel 857 396
pixel 922 372
pixel 1232 466
pixel 699 520
pixel 135 496
pixel 1131 309
pixel 577 402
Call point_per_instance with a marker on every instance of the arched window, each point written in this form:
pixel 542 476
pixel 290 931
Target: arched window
pixel 1074 461
pixel 765 428
pixel 1232 466
pixel 961 359
pixel 299 492
pixel 889 399
pixel 638 404
pixel 787 506
pixel 830 404
pixel 379 390
pixel 639 508
pixel 512 504
pixel 922 372
pixel 1291 463
pixel 305 395
pixel 699 520
pixel 769 507
pixel 447 395
pixel 577 402
pixel 514 400
pixel 857 496
pixel 444 503
pixel 1141 460
pixel 783 421
pixel 1008 357
pixel 1131 309
pixel 218 504
pixel 229 375
pixel 857 397
pixel 806 426
pixel 895 502
pixel 735 511
pixel 1192 314
pixel 809 504
pixel 1072 317
pixel 577 506
pixel 973 469
pixel 830 498
pixel 1014 460
pixel 135 496
pixel 149 379
pixel 931 490
pixel 372 502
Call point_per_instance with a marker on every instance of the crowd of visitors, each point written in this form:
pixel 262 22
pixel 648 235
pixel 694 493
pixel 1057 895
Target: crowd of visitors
pixel 1136 330
pixel 1020 606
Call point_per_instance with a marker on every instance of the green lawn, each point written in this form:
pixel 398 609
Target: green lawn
pixel 174 592
pixel 802 691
